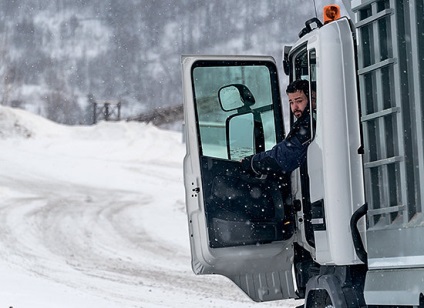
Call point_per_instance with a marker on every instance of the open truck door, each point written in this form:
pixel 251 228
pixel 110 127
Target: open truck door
pixel 240 226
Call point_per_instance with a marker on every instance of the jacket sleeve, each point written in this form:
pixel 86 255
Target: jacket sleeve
pixel 285 156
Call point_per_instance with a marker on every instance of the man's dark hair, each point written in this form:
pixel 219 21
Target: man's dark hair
pixel 299 85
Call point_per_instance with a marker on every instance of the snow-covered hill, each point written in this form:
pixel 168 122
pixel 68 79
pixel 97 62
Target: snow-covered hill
pixel 53 54
pixel 95 217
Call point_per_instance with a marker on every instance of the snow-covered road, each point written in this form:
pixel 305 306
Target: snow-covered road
pixel 95 217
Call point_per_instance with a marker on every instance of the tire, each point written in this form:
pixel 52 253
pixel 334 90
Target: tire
pixel 319 299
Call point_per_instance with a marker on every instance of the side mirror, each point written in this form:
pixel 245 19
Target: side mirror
pixel 235 97
pixel 240 136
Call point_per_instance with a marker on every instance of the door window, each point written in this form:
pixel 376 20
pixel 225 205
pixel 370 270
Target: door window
pixel 235 112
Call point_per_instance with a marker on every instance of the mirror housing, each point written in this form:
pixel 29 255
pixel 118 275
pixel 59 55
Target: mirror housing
pixel 286 61
pixel 235 97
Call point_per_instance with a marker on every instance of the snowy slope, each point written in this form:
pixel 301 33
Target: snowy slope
pixel 95 217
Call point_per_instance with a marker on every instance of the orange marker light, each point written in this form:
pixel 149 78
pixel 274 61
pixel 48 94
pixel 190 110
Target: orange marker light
pixel 331 13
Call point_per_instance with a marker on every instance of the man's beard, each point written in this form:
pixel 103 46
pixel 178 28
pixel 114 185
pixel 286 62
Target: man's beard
pixel 296 112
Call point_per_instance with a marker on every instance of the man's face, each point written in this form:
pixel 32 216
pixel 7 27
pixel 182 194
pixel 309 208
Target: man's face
pixel 298 102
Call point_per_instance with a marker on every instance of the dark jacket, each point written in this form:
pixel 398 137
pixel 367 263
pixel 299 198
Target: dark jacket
pixel 288 154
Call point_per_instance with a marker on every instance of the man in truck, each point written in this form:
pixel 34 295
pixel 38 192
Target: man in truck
pixel 290 153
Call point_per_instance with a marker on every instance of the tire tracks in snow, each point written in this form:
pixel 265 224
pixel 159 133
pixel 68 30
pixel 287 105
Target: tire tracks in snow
pixel 95 241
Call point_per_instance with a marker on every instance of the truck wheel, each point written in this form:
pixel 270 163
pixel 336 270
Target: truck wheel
pixel 336 286
pixel 319 299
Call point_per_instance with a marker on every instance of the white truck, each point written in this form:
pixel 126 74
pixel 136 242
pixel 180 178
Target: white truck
pixel 345 229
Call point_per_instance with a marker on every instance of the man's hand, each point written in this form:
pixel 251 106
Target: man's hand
pixel 246 166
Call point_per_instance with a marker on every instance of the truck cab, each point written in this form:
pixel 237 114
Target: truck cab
pixel 258 230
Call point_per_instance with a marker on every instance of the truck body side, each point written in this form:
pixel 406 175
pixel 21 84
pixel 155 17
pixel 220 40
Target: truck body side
pixel 391 80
